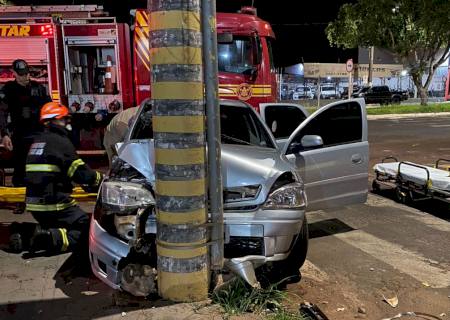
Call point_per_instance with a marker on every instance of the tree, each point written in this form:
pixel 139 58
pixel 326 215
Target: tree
pixel 416 31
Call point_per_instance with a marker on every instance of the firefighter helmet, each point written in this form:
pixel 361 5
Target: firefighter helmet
pixel 53 110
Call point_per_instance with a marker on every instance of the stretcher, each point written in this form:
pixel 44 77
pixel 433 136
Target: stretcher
pixel 413 182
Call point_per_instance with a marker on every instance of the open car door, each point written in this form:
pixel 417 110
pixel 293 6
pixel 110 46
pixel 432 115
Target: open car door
pixel 282 119
pixel 330 152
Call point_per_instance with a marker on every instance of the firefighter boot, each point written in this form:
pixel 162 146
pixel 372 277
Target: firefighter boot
pixel 19 236
pixel 42 240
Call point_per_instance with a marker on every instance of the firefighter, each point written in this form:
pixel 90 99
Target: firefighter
pixel 51 167
pixel 24 97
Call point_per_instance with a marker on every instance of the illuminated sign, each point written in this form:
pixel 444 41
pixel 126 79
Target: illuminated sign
pixel 14 31
pixel 45 30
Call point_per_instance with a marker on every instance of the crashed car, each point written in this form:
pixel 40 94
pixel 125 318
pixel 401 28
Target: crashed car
pixel 265 183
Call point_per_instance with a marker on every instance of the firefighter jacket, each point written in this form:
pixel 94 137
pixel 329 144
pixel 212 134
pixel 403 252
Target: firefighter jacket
pixel 52 165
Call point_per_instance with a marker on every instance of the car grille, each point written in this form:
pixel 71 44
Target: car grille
pixel 244 246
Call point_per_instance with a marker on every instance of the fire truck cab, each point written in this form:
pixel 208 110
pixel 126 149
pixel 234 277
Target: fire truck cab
pixel 245 60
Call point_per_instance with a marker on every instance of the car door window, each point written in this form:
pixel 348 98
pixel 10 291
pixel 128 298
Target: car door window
pixel 143 128
pixel 286 119
pixel 337 125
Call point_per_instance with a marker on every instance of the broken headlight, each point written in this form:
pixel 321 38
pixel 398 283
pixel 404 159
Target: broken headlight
pixel 289 196
pixel 124 197
pixel 124 208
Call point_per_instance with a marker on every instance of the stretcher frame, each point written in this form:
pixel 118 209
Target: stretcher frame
pixel 407 190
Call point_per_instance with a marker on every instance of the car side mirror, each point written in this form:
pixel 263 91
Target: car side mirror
pixel 311 142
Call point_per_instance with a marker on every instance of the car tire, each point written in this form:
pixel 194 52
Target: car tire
pixel 281 273
pixel 375 186
pixel 395 100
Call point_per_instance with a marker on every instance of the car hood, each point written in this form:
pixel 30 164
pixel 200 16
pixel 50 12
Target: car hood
pixel 241 166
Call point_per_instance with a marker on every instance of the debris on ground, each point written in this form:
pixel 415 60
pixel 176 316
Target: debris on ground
pixel 413 314
pixel 311 311
pixel 362 310
pixel 393 302
pixel 340 309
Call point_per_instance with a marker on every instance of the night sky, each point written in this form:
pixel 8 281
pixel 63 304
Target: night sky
pixel 298 25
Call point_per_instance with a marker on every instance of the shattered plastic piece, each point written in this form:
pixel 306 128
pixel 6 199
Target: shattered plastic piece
pixel 362 310
pixel 311 311
pixel 372 269
pixel 124 314
pixel 413 314
pixel 89 293
pixel 442 315
pixel 340 309
pixel 393 302
pixel 426 284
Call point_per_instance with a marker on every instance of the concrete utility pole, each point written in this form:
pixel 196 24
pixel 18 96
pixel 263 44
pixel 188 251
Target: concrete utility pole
pixel 179 132
pixel 213 131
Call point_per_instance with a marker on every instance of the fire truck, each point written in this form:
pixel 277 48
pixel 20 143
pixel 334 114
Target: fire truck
pixel 245 60
pixel 83 57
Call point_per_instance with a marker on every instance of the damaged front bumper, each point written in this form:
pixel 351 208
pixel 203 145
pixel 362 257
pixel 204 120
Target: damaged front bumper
pixel 251 240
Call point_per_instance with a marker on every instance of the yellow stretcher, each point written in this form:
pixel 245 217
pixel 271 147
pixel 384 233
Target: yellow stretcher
pixel 13 195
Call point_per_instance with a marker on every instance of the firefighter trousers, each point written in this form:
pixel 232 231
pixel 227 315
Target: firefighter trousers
pixel 69 229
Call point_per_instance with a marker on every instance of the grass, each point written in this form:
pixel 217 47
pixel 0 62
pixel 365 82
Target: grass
pixel 399 109
pixel 403 109
pixel 239 298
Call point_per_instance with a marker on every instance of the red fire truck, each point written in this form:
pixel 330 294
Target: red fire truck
pixel 79 53
pixel 83 57
pixel 246 69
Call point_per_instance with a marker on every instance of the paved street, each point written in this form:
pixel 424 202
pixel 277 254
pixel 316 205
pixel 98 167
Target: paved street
pixel 357 254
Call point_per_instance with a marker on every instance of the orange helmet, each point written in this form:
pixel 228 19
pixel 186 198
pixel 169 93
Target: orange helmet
pixel 53 110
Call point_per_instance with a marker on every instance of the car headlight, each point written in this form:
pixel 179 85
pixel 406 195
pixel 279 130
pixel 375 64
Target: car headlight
pixel 123 197
pixel 289 196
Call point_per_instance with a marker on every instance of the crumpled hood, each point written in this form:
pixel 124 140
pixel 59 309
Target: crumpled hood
pixel 247 165
pixel 241 165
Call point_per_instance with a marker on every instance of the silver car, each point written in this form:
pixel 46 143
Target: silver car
pixel 266 180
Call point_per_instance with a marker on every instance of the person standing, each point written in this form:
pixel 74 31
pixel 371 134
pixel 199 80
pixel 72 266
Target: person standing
pixel 52 165
pixel 24 98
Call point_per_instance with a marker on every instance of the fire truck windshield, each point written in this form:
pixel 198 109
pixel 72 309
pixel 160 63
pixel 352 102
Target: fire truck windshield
pixel 237 56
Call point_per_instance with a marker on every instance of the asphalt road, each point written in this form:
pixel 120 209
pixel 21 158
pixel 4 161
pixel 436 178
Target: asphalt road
pixel 357 254
pixel 360 253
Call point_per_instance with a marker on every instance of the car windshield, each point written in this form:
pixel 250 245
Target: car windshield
pixel 237 56
pixel 327 88
pixel 240 125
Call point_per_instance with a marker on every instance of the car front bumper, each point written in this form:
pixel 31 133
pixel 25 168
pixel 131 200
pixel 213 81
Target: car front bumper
pixel 273 231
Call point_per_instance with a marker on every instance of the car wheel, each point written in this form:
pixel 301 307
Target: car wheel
pixel 396 100
pixel 375 186
pixel 281 273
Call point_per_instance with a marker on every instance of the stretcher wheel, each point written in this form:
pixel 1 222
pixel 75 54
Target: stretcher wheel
pixel 375 186
pixel 402 195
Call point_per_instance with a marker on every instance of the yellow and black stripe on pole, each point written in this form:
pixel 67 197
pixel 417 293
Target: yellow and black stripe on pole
pixel 179 132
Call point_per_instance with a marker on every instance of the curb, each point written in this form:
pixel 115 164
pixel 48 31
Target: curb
pixel 406 115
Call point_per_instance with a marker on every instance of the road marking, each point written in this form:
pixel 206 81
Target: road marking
pixel 408 262
pixel 431 221
pixel 423 217
pixel 439 125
